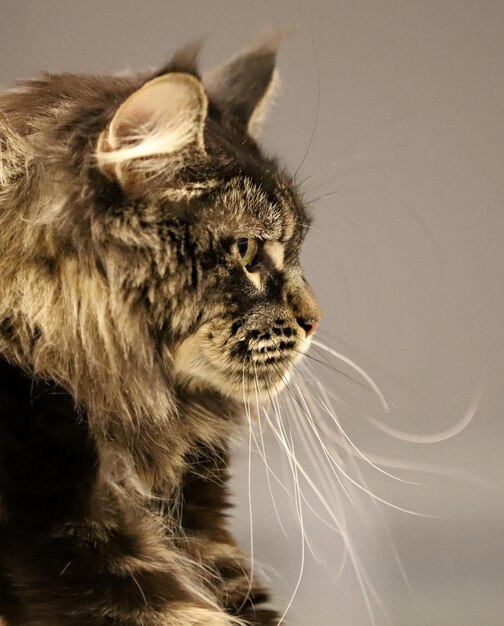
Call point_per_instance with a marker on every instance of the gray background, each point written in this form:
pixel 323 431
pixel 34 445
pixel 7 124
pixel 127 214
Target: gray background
pixel 396 109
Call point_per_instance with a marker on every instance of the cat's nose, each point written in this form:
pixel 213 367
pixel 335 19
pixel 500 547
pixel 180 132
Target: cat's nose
pixel 308 324
pixel 307 310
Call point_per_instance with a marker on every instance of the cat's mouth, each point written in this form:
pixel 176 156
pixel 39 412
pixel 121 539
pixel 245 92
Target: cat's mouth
pixel 245 363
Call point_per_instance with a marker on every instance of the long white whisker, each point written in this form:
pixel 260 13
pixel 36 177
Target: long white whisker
pixel 374 503
pixel 261 449
pixel 357 368
pixel 299 508
pixel 309 445
pixel 317 492
pixel 268 472
pixel 305 443
pixel 443 435
pixel 362 577
pixel 338 467
pixel 249 483
pixel 306 476
pixel 297 499
pixel 431 468
pixel 320 469
pixel 330 412
pixel 331 461
pixel 363 581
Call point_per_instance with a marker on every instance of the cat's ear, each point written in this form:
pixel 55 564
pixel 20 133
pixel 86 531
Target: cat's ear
pixel 165 116
pixel 243 88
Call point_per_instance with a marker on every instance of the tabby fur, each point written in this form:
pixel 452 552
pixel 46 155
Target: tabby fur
pixel 131 337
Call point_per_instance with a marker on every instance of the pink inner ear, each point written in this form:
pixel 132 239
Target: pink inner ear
pixel 163 117
pixel 166 102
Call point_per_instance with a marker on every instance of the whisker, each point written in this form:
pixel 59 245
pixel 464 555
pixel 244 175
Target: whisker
pixel 268 469
pixel 333 463
pixel 319 468
pixel 299 507
pixel 326 454
pixel 377 192
pixel 362 577
pixel 249 484
pixel 330 412
pixel 431 468
pixel 302 471
pixel 328 365
pixel 320 443
pixel 363 581
pixel 374 503
pixel 317 110
pixel 363 155
pixel 356 368
pixel 268 472
pixel 443 435
pixel 297 499
pixel 357 484
pixel 345 173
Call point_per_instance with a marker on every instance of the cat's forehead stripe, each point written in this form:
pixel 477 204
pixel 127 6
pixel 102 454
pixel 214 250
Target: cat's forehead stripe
pixel 248 208
pixel 277 210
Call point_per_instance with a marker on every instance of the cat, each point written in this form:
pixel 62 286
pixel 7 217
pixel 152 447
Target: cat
pixel 150 285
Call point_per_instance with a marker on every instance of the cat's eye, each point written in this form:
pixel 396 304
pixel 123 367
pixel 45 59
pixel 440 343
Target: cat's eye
pixel 247 249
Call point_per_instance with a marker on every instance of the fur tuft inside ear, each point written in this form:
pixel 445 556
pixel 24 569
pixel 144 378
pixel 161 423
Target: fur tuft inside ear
pixel 243 88
pixel 163 117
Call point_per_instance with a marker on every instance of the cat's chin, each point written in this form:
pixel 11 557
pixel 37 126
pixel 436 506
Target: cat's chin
pixel 253 392
pixel 196 371
pixel 199 364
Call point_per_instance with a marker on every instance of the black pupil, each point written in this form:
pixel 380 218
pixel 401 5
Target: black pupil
pixel 243 245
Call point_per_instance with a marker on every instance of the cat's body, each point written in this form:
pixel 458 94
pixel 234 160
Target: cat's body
pixel 150 285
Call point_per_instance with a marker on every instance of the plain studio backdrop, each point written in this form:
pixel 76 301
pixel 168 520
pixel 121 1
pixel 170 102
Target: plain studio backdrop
pixel 393 113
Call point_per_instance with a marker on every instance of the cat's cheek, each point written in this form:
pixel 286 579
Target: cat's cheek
pixel 188 358
pixel 198 362
pixel 207 359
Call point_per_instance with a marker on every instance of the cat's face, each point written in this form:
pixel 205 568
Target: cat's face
pixel 209 239
pixel 257 312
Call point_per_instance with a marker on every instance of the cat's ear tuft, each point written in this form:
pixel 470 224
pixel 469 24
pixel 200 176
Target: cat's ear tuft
pixel 243 88
pixel 163 117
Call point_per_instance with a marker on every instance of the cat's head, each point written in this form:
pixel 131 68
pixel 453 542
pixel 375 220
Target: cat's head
pixel 183 239
pixel 218 223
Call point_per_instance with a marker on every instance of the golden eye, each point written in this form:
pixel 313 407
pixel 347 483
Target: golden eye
pixel 247 248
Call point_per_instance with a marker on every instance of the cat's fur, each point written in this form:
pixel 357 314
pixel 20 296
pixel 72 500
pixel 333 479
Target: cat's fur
pixel 131 334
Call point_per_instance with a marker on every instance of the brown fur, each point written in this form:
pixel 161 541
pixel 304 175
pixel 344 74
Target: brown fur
pixel 130 335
